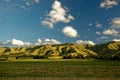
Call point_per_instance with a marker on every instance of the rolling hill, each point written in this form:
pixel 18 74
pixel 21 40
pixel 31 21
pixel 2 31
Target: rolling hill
pixel 109 50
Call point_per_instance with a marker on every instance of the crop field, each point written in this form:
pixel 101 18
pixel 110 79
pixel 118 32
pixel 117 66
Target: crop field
pixel 60 70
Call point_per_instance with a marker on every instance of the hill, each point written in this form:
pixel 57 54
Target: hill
pixel 109 50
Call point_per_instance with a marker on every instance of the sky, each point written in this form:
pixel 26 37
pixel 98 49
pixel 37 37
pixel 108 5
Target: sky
pixel 38 22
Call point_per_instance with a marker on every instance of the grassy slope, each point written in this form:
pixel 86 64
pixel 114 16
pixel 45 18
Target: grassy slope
pixel 107 49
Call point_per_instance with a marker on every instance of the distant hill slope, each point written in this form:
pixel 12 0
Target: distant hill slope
pixel 109 50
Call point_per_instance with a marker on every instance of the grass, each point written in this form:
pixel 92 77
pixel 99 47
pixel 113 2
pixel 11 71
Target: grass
pixel 59 69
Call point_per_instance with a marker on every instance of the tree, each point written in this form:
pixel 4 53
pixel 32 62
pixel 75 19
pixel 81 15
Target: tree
pixel 71 50
pixel 80 56
pixel 64 51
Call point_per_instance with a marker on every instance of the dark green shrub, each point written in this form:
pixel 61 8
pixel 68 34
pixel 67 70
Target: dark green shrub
pixel 80 56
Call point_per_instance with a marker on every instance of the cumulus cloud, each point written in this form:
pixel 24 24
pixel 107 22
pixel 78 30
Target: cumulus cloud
pixel 108 4
pixel 51 41
pixel 115 23
pixel 47 41
pixel 110 32
pixel 57 14
pixel 38 42
pixel 116 40
pixel 70 32
pixel 85 42
pixel 15 42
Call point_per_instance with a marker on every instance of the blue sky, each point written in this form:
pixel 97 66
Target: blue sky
pixel 36 22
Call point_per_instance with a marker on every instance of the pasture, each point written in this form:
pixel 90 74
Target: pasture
pixel 60 69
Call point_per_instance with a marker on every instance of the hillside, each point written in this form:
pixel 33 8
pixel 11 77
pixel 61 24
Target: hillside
pixel 109 50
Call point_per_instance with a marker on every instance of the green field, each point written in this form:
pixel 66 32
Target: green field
pixel 60 70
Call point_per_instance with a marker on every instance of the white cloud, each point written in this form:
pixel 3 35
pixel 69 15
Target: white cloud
pixel 28 3
pixel 70 32
pixel 110 32
pixel 116 40
pixel 98 25
pixel 23 4
pixel 22 7
pixel 15 42
pixel 98 33
pixel 51 41
pixel 108 4
pixel 90 24
pixel 116 20
pixel 39 42
pixel 47 41
pixel 103 38
pixel 115 23
pixel 85 42
pixel 57 14
pixel 31 2
pixel 27 44
pixel 7 0
pixel 47 23
pixel 37 1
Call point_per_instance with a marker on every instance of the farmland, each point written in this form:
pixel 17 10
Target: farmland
pixel 60 69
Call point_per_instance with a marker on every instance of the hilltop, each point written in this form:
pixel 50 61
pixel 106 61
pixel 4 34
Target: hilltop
pixel 109 50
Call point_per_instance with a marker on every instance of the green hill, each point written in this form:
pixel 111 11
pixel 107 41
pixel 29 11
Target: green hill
pixel 109 50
